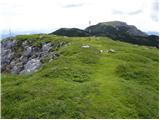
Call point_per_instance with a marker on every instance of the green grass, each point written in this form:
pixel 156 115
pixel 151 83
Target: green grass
pixel 84 83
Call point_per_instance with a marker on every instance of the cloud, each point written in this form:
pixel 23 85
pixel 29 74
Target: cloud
pixel 115 12
pixel 135 12
pixel 155 9
pixel 49 14
pixel 73 5
pixel 155 5
pixel 119 12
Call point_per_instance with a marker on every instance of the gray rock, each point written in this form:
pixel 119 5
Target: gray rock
pixel 27 51
pixel 46 47
pixel 17 68
pixel 25 43
pixel 6 55
pixel 26 59
pixel 31 66
pixel 23 59
pixel 8 44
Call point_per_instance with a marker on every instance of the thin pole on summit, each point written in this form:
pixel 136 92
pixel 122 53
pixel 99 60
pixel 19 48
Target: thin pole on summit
pixel 89 30
pixel 10 35
pixel 89 26
pixel 89 23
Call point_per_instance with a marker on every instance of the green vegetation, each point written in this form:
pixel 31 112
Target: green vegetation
pixel 85 83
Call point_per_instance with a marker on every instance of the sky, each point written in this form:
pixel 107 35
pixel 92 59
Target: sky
pixel 49 15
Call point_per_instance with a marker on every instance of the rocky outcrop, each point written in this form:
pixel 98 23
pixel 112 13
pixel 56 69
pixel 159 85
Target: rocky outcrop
pixel 25 58
pixel 31 66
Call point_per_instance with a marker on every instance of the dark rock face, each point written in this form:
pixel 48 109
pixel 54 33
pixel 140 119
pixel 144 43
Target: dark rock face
pixel 71 32
pixel 24 58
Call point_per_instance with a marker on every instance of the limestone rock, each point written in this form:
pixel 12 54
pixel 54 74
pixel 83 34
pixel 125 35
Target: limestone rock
pixel 23 57
pixel 31 66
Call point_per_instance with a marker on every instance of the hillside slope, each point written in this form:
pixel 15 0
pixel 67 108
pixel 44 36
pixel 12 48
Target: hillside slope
pixel 93 77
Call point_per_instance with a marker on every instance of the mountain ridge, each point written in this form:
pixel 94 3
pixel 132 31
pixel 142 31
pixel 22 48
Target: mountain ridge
pixel 116 30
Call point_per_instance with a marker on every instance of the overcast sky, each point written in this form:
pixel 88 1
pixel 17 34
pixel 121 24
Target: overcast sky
pixel 48 15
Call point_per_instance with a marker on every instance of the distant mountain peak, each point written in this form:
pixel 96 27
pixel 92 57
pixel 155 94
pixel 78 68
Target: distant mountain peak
pixel 116 26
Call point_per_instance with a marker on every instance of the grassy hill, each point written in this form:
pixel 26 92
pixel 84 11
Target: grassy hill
pixel 86 83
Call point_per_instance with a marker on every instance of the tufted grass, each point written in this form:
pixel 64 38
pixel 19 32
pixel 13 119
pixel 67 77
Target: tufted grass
pixel 84 83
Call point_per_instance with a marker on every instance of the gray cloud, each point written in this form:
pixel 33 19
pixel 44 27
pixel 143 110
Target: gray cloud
pixel 154 17
pixel 118 12
pixel 135 12
pixel 155 5
pixel 155 9
pixel 73 5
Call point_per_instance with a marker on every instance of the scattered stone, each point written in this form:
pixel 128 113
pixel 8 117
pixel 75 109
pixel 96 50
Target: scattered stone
pixel 101 51
pixel 85 46
pixel 106 51
pixel 50 60
pixel 111 50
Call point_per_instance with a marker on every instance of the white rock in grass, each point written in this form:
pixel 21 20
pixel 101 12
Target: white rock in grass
pixel 101 51
pixel 111 50
pixel 85 46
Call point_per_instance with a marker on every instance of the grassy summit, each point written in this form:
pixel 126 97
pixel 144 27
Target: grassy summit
pixel 86 82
